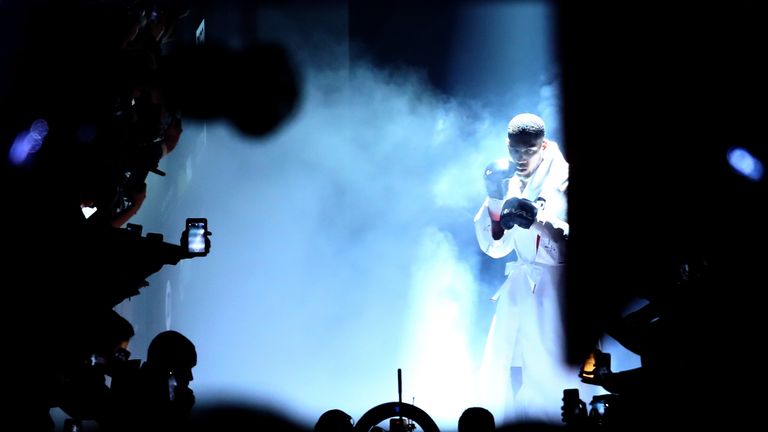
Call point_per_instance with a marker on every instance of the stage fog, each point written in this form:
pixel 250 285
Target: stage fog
pixel 342 242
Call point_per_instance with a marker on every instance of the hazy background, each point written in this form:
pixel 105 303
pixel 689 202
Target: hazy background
pixel 343 246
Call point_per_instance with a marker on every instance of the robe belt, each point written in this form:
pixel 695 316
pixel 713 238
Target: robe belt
pixel 532 272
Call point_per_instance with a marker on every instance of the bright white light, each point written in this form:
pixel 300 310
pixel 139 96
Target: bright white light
pixel 745 164
pixel 196 239
pixel 88 211
pixel 441 313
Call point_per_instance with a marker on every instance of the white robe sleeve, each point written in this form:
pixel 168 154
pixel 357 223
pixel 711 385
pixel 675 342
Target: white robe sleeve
pixel 552 217
pixel 555 209
pixel 493 248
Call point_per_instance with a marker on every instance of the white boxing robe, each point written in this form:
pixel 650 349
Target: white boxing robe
pixel 524 372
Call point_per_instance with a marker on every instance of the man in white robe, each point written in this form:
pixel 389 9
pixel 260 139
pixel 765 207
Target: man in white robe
pixel 524 371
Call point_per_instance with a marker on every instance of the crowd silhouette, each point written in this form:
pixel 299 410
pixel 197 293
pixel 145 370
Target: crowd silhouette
pixel 93 98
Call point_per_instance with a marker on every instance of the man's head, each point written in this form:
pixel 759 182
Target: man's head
pixel 111 334
pixel 525 141
pixel 334 420
pixel 172 352
pixel 476 419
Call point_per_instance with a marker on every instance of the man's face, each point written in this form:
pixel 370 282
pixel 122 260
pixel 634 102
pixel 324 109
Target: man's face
pixel 526 153
pixel 183 376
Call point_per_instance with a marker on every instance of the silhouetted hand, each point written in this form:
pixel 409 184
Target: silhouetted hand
pixel 184 399
pixel 574 412
pixel 601 377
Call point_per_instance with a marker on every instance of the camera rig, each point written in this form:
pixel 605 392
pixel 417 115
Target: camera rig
pixel 402 417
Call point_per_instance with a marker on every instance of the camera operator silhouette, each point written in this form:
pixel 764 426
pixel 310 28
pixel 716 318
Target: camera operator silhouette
pixel 662 333
pixel 98 348
pixel 112 101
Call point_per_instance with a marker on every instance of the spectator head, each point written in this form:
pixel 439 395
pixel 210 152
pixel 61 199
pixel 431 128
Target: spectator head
pixel 334 420
pixel 171 351
pixel 476 419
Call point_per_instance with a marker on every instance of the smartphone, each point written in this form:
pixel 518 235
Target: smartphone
pixel 571 395
pixel 572 407
pixel 196 229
